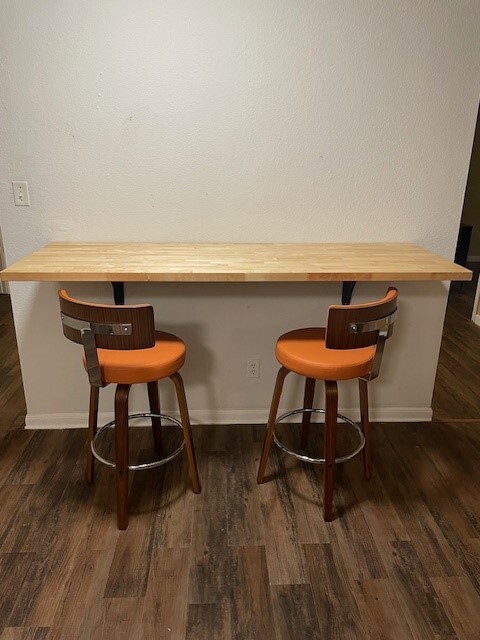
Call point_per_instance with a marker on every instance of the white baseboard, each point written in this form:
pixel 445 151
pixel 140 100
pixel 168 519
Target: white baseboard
pixel 476 319
pixel 227 417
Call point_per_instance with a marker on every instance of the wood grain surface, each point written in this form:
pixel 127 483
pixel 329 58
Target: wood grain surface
pixel 143 262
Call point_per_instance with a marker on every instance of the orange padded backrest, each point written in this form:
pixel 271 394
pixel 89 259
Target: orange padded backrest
pixel 140 317
pixel 344 319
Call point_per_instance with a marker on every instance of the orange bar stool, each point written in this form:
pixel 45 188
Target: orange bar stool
pixel 351 346
pixel 122 347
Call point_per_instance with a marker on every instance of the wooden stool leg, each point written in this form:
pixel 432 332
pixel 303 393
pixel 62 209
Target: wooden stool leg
pixel 92 430
pixel 307 404
pixel 187 432
pixel 267 443
pixel 154 400
pixel 331 408
pixel 121 453
pixel 365 422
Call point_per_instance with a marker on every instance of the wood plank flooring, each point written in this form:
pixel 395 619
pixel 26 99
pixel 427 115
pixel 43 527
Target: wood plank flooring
pixel 456 386
pixel 242 561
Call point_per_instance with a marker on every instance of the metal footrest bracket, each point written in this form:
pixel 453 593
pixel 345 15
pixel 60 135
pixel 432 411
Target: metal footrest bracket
pixel 145 465
pixel 304 457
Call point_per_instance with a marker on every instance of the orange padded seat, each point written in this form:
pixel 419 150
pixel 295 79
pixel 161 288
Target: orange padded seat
pixel 303 351
pixel 142 365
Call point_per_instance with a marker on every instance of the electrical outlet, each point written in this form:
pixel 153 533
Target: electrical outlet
pixel 20 194
pixel 253 368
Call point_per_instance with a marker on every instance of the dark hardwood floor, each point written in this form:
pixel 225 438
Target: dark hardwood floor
pixel 456 386
pixel 241 561
pixel 12 400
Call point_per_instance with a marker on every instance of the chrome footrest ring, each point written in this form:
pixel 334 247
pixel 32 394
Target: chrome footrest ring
pixel 144 465
pixel 305 458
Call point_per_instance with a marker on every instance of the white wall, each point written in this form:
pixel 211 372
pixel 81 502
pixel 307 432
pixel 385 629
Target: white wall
pixel 235 121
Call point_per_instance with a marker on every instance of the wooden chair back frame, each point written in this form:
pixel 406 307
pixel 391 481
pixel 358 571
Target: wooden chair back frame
pixel 106 327
pixel 357 326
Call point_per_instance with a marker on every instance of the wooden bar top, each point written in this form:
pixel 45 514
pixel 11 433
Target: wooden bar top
pixel 172 262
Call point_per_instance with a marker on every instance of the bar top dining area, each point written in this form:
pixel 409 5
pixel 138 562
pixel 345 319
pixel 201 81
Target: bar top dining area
pixel 239 380
pixel 232 262
pixel 286 551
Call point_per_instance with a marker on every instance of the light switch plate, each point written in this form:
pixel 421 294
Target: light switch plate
pixel 20 193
